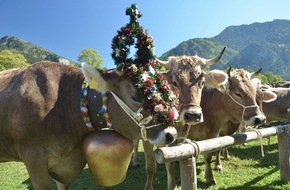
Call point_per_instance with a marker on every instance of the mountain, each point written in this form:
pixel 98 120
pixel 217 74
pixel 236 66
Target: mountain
pixel 258 45
pixel 31 52
pixel 202 47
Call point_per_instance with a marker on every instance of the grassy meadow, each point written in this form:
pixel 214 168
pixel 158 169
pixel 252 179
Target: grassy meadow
pixel 245 171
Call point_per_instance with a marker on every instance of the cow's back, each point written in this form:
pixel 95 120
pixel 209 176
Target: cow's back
pixel 39 106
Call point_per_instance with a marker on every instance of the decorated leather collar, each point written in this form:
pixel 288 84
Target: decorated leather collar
pixel 102 116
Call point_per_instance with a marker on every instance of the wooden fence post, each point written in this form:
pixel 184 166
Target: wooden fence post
pixel 187 151
pixel 284 156
pixel 188 174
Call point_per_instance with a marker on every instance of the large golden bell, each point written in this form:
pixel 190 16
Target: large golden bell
pixel 108 155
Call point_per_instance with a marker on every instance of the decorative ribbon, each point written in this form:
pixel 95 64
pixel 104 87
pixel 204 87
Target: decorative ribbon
pixel 104 109
pixel 85 104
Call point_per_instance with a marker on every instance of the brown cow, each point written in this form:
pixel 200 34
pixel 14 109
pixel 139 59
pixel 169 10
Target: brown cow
pixel 236 102
pixel 41 123
pixel 262 98
pixel 282 84
pixel 276 108
pixel 186 75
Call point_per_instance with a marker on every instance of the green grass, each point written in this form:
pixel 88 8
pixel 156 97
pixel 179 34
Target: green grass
pixel 245 171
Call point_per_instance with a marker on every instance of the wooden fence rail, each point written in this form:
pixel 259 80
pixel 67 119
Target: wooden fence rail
pixel 186 153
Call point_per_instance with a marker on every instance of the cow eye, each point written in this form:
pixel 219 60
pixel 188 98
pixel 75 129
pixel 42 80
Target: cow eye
pixel 175 84
pixel 238 94
pixel 201 84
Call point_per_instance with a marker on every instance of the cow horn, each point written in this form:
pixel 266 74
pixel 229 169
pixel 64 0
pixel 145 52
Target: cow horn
pixel 255 73
pixel 229 72
pixel 119 69
pixel 164 64
pixel 214 60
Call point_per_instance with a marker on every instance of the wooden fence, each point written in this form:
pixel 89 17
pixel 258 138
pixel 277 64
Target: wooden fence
pixel 186 153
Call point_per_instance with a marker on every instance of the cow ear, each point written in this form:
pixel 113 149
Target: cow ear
pixel 269 96
pixel 217 79
pixel 94 78
pixel 256 82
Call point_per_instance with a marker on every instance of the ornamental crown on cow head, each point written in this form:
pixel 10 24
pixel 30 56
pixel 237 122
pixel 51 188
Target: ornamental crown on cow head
pixel 148 85
pixel 141 70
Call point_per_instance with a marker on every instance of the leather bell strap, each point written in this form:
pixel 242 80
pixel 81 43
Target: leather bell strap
pixel 137 117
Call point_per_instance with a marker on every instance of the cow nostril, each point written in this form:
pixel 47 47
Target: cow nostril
pixel 169 138
pixel 198 115
pixel 186 116
pixel 192 116
pixel 259 120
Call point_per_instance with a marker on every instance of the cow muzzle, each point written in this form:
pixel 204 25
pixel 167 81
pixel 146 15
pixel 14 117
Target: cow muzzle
pixel 191 116
pixel 256 120
pixel 167 136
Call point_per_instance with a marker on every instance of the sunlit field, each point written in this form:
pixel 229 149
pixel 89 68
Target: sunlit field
pixel 245 171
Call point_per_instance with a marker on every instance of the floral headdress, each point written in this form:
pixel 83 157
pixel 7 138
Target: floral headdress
pixel 142 68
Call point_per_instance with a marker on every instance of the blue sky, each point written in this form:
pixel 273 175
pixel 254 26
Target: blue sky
pixel 66 27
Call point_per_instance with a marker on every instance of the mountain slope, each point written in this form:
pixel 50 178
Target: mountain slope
pixel 237 37
pixel 30 51
pixel 258 45
pixel 201 47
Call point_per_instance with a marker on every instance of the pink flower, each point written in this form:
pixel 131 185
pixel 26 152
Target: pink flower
pixel 159 108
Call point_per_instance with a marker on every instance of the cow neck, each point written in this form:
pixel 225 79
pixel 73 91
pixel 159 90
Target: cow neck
pixel 102 114
pixel 139 120
pixel 137 117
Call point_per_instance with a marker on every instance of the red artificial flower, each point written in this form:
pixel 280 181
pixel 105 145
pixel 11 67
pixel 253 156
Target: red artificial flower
pixel 161 76
pixel 171 115
pixel 129 73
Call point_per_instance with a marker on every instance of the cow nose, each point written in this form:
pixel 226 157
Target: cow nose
pixel 192 116
pixel 260 120
pixel 169 138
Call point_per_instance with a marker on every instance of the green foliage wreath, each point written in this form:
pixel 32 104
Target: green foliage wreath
pixel 142 69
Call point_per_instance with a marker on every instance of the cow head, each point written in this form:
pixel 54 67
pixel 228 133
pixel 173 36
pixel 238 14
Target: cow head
pixel 187 77
pixel 263 94
pixel 240 98
pixel 123 122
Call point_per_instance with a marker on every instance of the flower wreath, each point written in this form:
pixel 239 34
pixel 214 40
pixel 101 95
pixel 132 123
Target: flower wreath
pixel 141 69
